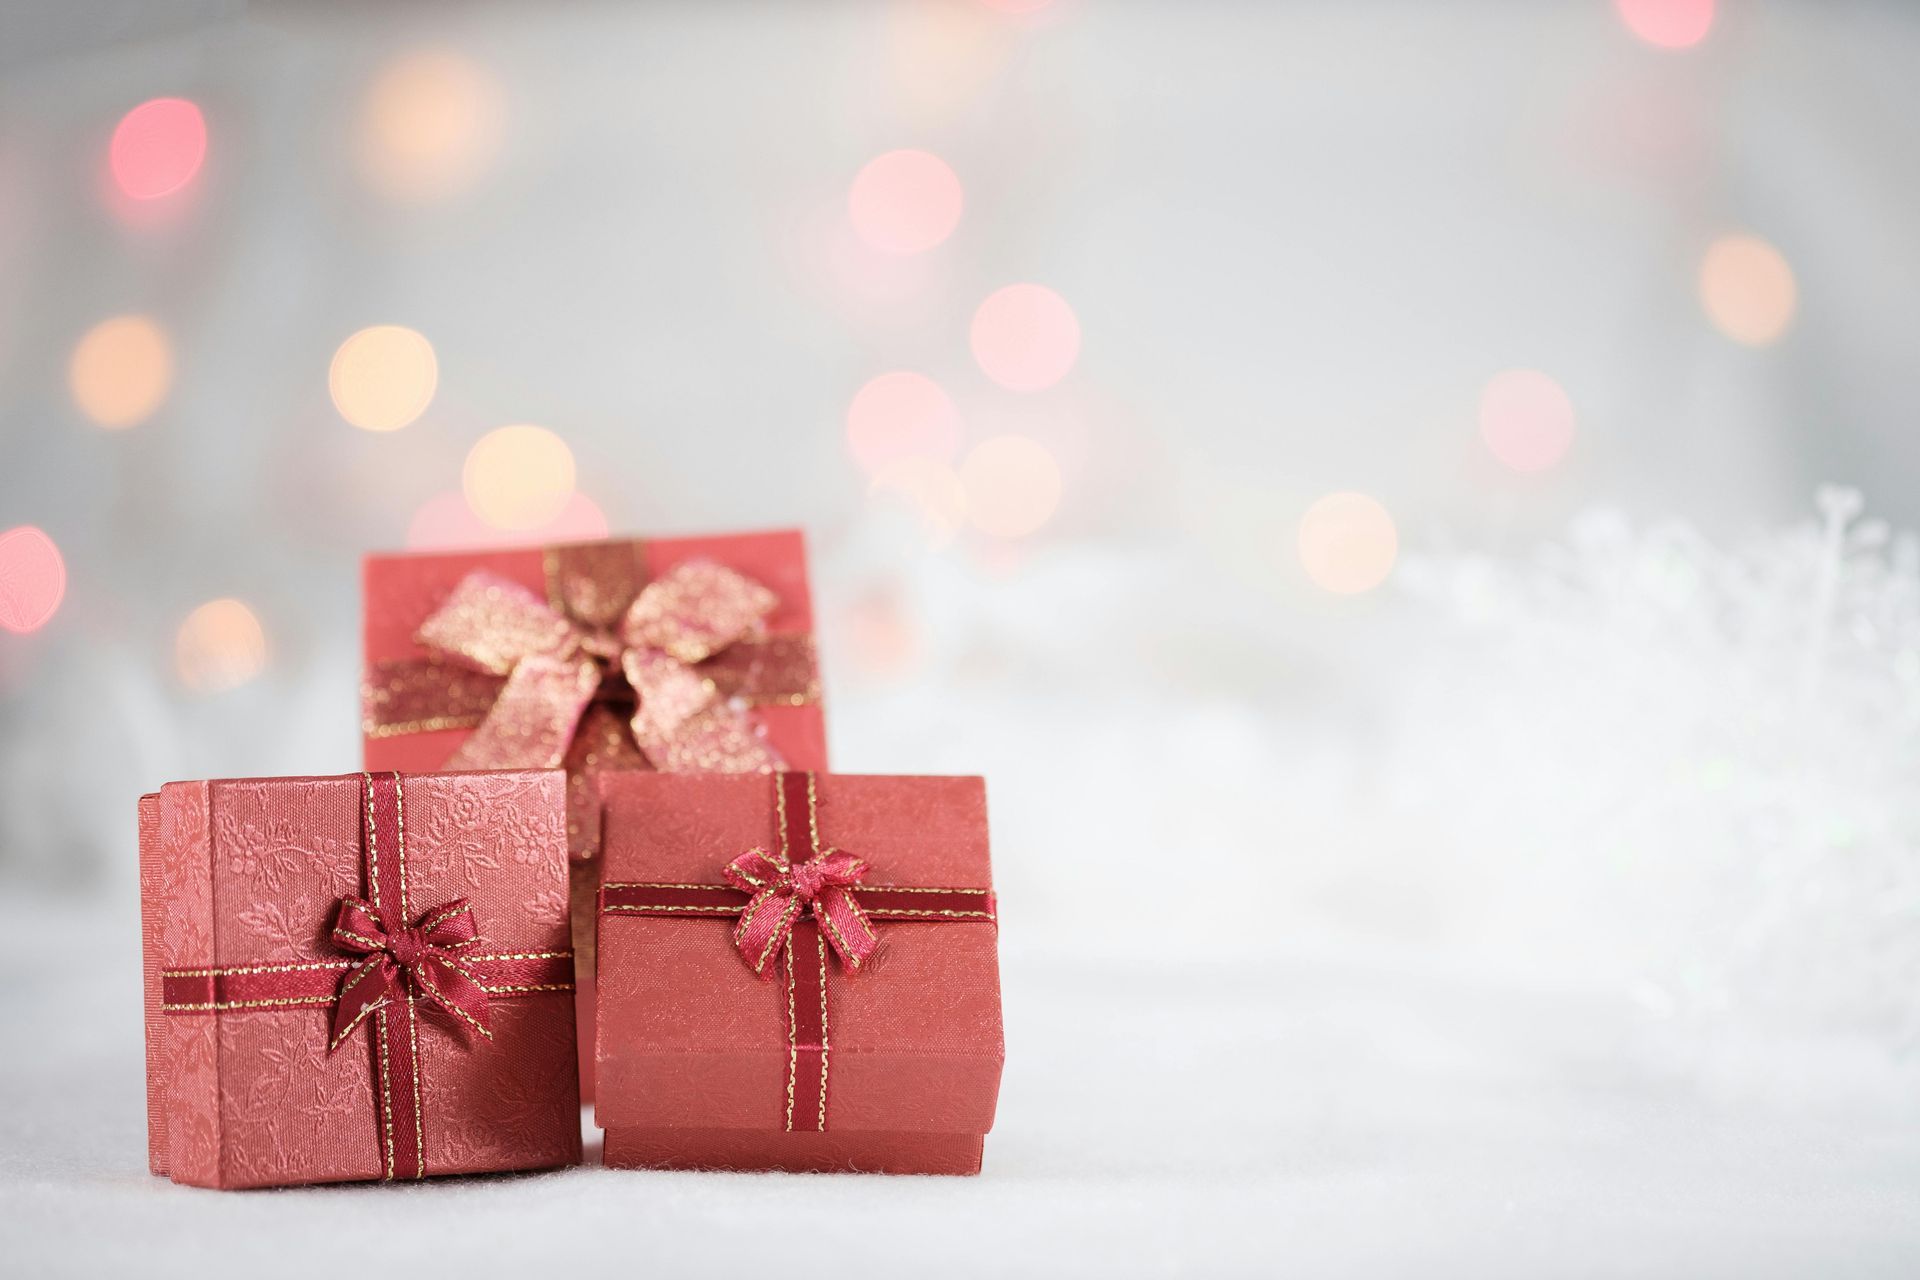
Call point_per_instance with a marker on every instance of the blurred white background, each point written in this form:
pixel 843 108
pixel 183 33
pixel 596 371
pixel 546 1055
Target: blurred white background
pixel 1344 472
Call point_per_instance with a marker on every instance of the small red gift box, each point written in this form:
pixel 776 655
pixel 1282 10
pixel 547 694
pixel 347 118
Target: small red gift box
pixel 673 654
pixel 798 972
pixel 363 977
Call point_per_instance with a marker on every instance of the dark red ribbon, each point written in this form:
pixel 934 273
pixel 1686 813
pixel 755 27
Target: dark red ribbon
pixel 787 915
pixel 430 960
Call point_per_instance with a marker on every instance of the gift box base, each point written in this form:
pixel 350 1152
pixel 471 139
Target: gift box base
pixel 748 1150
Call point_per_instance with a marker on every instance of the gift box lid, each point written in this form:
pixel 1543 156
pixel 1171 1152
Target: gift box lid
pixel 691 1037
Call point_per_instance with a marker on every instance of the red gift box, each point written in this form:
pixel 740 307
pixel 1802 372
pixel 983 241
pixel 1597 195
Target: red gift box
pixel 362 977
pixel 798 972
pixel 669 653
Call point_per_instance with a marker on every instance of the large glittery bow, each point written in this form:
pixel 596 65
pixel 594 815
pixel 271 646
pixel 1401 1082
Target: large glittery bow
pixel 554 665
pixel 781 892
pixel 788 914
pixel 418 960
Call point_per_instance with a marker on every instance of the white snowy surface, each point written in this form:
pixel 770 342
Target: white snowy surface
pixel 1318 1114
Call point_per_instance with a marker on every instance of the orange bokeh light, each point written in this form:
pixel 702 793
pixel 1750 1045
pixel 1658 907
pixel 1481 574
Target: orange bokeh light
pixel 220 646
pixel 1012 486
pixel 1526 419
pixel 518 477
pixel 1667 24
pixel 430 126
pixel 33 579
pixel 382 378
pixel 120 371
pixel 157 148
pixel 902 415
pixel 1025 337
pixel 1348 543
pixel 1748 289
pixel 905 202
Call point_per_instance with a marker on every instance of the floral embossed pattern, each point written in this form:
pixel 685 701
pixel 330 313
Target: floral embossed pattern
pixel 253 872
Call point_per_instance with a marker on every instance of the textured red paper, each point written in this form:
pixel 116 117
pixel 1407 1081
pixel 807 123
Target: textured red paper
pixel 249 871
pixel 692 1049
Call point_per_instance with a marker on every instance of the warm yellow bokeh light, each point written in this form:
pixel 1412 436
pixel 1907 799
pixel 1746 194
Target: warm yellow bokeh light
pixel 518 477
pixel 220 646
pixel 383 377
pixel 1348 543
pixel 1748 289
pixel 430 126
pixel 1012 486
pixel 121 371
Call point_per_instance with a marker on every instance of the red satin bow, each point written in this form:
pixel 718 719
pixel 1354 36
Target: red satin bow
pixel 782 891
pixel 421 958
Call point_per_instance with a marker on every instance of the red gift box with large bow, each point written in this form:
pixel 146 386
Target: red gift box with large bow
pixel 797 972
pixel 357 978
pixel 673 654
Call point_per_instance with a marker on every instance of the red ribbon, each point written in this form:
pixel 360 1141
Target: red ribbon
pixel 429 961
pixel 788 915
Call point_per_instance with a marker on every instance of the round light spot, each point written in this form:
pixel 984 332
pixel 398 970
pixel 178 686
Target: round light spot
pixel 1526 419
pixel 931 490
pixel 33 579
pixel 1747 289
pixel 445 522
pixel 382 378
pixel 518 477
pixel 902 415
pixel 1012 486
pixel 121 371
pixel 219 647
pixel 1025 337
pixel 157 148
pixel 1348 543
pixel 429 127
pixel 905 202
pixel 1667 24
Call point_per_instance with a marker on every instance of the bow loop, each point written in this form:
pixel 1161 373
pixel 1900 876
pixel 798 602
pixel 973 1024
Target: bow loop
pixel 781 893
pixel 422 958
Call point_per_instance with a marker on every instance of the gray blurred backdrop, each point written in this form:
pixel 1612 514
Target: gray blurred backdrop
pixel 1299 241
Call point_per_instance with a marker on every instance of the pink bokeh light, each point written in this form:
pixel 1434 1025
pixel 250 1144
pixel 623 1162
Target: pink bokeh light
pixel 33 579
pixel 1025 337
pixel 902 415
pixel 1526 419
pixel 905 202
pixel 445 522
pixel 158 147
pixel 1667 24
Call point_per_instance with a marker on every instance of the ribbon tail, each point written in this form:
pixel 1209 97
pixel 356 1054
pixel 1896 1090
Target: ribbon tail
pixel 531 723
pixel 453 987
pixel 365 989
pixel 764 927
pixel 846 926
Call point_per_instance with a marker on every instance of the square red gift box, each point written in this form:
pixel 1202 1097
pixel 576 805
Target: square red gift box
pixel 363 977
pixel 797 972
pixel 673 654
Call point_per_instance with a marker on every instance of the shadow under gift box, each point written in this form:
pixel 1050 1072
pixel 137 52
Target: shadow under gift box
pixel 695 1061
pixel 241 882
pixel 779 700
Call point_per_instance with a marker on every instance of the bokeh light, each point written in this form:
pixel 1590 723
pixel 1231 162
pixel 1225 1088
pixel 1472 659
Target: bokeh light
pixel 881 639
pixel 1025 337
pixel 1747 289
pixel 518 477
pixel 1667 24
pixel 1526 419
pixel 121 371
pixel 382 378
pixel 33 579
pixel 157 148
pixel 931 490
pixel 1348 543
pixel 902 415
pixel 430 126
pixel 445 522
pixel 1012 486
pixel 1017 6
pixel 220 646
pixel 905 202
